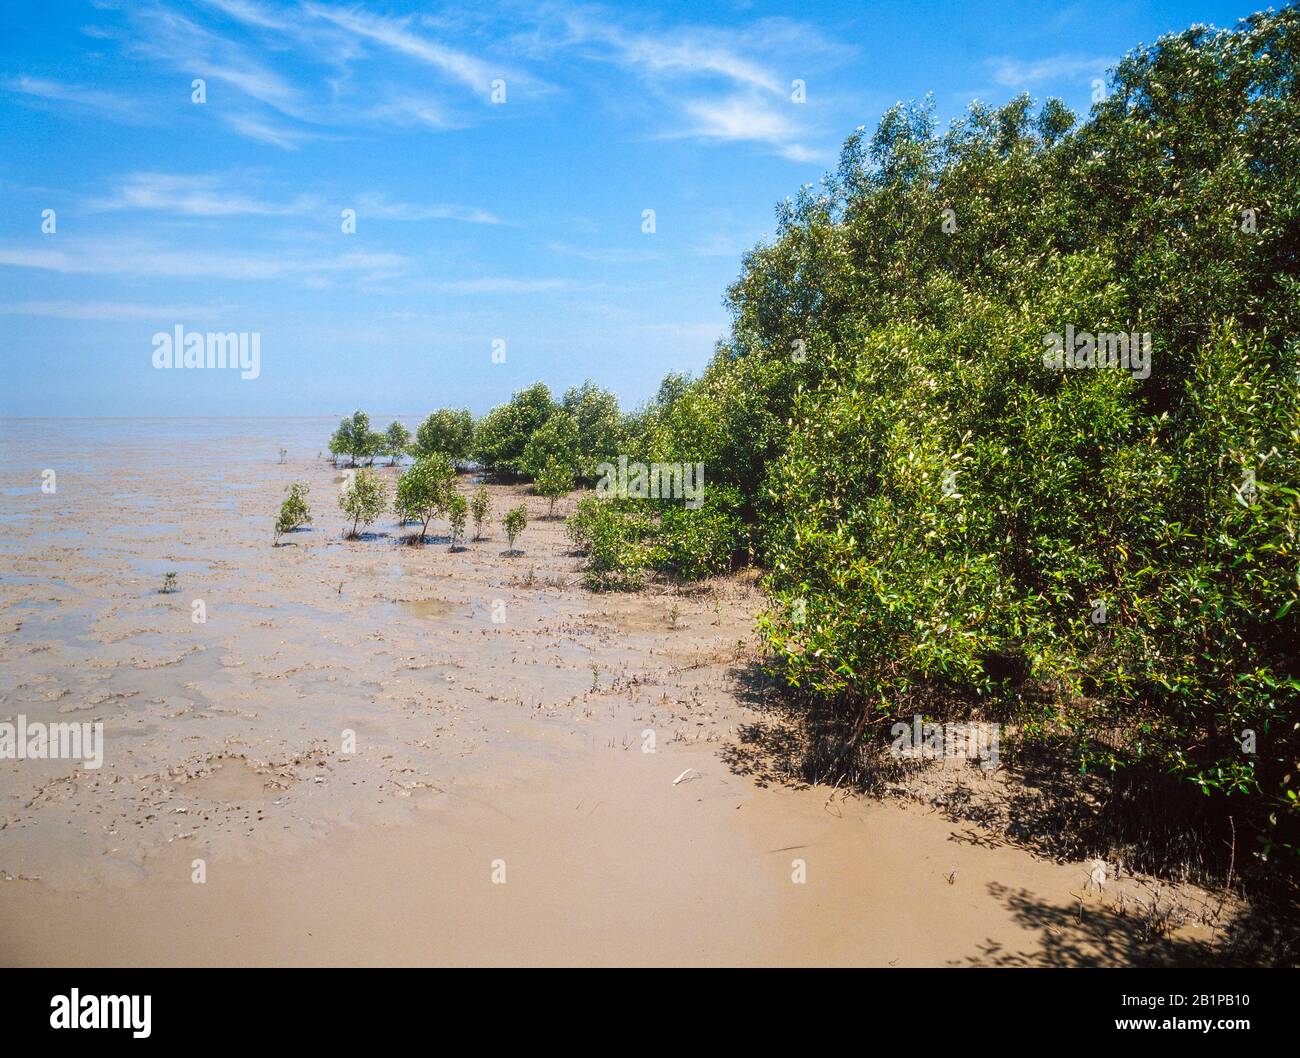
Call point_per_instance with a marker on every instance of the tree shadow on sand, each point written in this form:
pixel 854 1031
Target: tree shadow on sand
pixel 427 540
pixel 1086 935
pixel 794 742
pixel 1038 800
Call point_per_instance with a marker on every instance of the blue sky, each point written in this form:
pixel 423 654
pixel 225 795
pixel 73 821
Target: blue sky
pixel 476 220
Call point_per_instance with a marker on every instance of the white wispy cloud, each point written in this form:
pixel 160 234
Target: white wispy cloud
pixel 684 51
pixel 276 134
pixel 696 333
pixel 720 244
pixel 396 35
pixel 188 46
pixel 603 255
pixel 356 69
pixel 197 196
pixel 723 85
pixel 499 285
pixel 109 310
pixel 96 99
pixel 353 69
pixel 210 195
pixel 1022 73
pixel 406 109
pixel 747 118
pixel 142 260
pixel 380 208
pixel 251 14
pixel 680 56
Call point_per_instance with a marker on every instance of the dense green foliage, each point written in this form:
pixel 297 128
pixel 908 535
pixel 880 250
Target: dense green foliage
pixel 502 435
pixel 554 443
pixel 532 431
pixel 519 438
pixel 599 427
pixel 945 518
pixel 615 536
pixel 627 539
pixel 448 432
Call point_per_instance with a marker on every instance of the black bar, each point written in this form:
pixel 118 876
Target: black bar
pixel 326 1008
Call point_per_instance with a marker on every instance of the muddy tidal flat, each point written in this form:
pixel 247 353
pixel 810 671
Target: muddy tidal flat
pixel 360 752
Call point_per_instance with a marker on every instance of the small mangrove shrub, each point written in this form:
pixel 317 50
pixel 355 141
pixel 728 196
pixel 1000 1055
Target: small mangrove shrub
pixel 457 512
pixel 480 506
pixel 294 511
pixel 554 481
pixel 397 439
pixel 516 522
pixel 424 489
pixel 363 499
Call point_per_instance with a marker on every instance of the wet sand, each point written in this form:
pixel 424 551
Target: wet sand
pixel 500 807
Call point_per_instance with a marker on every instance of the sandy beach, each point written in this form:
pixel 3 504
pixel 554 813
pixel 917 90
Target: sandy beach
pixel 541 774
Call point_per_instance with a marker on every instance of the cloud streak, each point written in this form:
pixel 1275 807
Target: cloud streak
pixel 356 70
pixel 396 36
pixel 1019 73
pixel 93 99
pixel 161 262
pixel 731 86
pixel 196 196
pixel 209 196
pixel 109 310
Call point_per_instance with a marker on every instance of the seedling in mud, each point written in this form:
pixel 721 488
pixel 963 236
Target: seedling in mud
pixel 294 511
pixel 516 522
pixel 363 499
pixel 481 508
pixel 554 481
pixel 169 584
pixel 457 512
pixel 424 489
